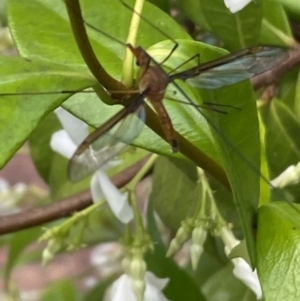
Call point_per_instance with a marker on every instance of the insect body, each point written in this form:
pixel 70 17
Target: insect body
pixel 153 83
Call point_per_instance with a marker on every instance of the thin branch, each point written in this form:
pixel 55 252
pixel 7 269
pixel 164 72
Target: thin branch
pixel 268 93
pixel 63 208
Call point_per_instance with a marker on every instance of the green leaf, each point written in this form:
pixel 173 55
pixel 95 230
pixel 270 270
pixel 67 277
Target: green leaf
pixel 281 138
pixel 275 25
pixel 193 9
pixel 225 203
pixel 20 114
pixel 51 165
pixel 39 142
pixel 297 97
pixel 282 145
pixel 211 261
pixel 292 8
pixel 239 148
pixel 288 91
pixel 47 25
pixel 164 5
pixel 288 123
pixel 239 30
pixel 240 250
pixel 46 22
pixel 61 290
pixel 18 242
pixel 278 251
pixel 95 112
pixel 225 286
pixel 166 195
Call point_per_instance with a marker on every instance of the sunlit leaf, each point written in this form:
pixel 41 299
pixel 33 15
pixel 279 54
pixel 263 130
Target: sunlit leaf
pixel 278 250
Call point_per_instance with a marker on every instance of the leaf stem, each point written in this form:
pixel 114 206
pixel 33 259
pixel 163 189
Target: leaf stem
pixel 144 170
pixel 127 76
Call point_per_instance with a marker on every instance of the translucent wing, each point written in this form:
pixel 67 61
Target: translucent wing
pixel 234 67
pixel 107 141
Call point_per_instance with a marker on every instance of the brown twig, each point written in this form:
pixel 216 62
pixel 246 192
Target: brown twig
pixel 65 207
pixel 268 93
pixel 272 76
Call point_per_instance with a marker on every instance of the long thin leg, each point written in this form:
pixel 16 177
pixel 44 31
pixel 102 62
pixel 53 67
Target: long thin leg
pixel 185 62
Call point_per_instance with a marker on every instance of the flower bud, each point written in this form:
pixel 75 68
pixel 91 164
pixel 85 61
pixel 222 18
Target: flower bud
pixel 126 265
pixel 198 238
pixel 291 176
pixel 138 268
pixel 182 235
pixel 53 246
pixel 138 287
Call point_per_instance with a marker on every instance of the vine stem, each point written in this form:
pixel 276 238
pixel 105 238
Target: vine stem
pixel 71 221
pixel 86 50
pixel 140 229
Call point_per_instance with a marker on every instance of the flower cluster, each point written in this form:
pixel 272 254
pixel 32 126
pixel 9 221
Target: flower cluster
pixel 137 283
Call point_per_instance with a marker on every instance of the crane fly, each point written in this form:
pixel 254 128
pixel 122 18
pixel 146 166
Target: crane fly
pixel 109 139
pixel 125 126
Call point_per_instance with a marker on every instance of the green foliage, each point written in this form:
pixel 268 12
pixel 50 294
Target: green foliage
pixel 181 285
pixel 51 62
pixel 165 197
pixel 17 244
pixel 61 291
pixel 277 248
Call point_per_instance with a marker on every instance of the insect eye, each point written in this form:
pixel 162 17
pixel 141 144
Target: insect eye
pixel 137 63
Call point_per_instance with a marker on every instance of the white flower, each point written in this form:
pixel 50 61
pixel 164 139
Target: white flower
pixel 66 141
pixel 106 257
pixel 236 5
pixel 290 176
pixel 241 270
pixel 102 187
pixel 62 143
pixel 122 288
pixel 10 196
